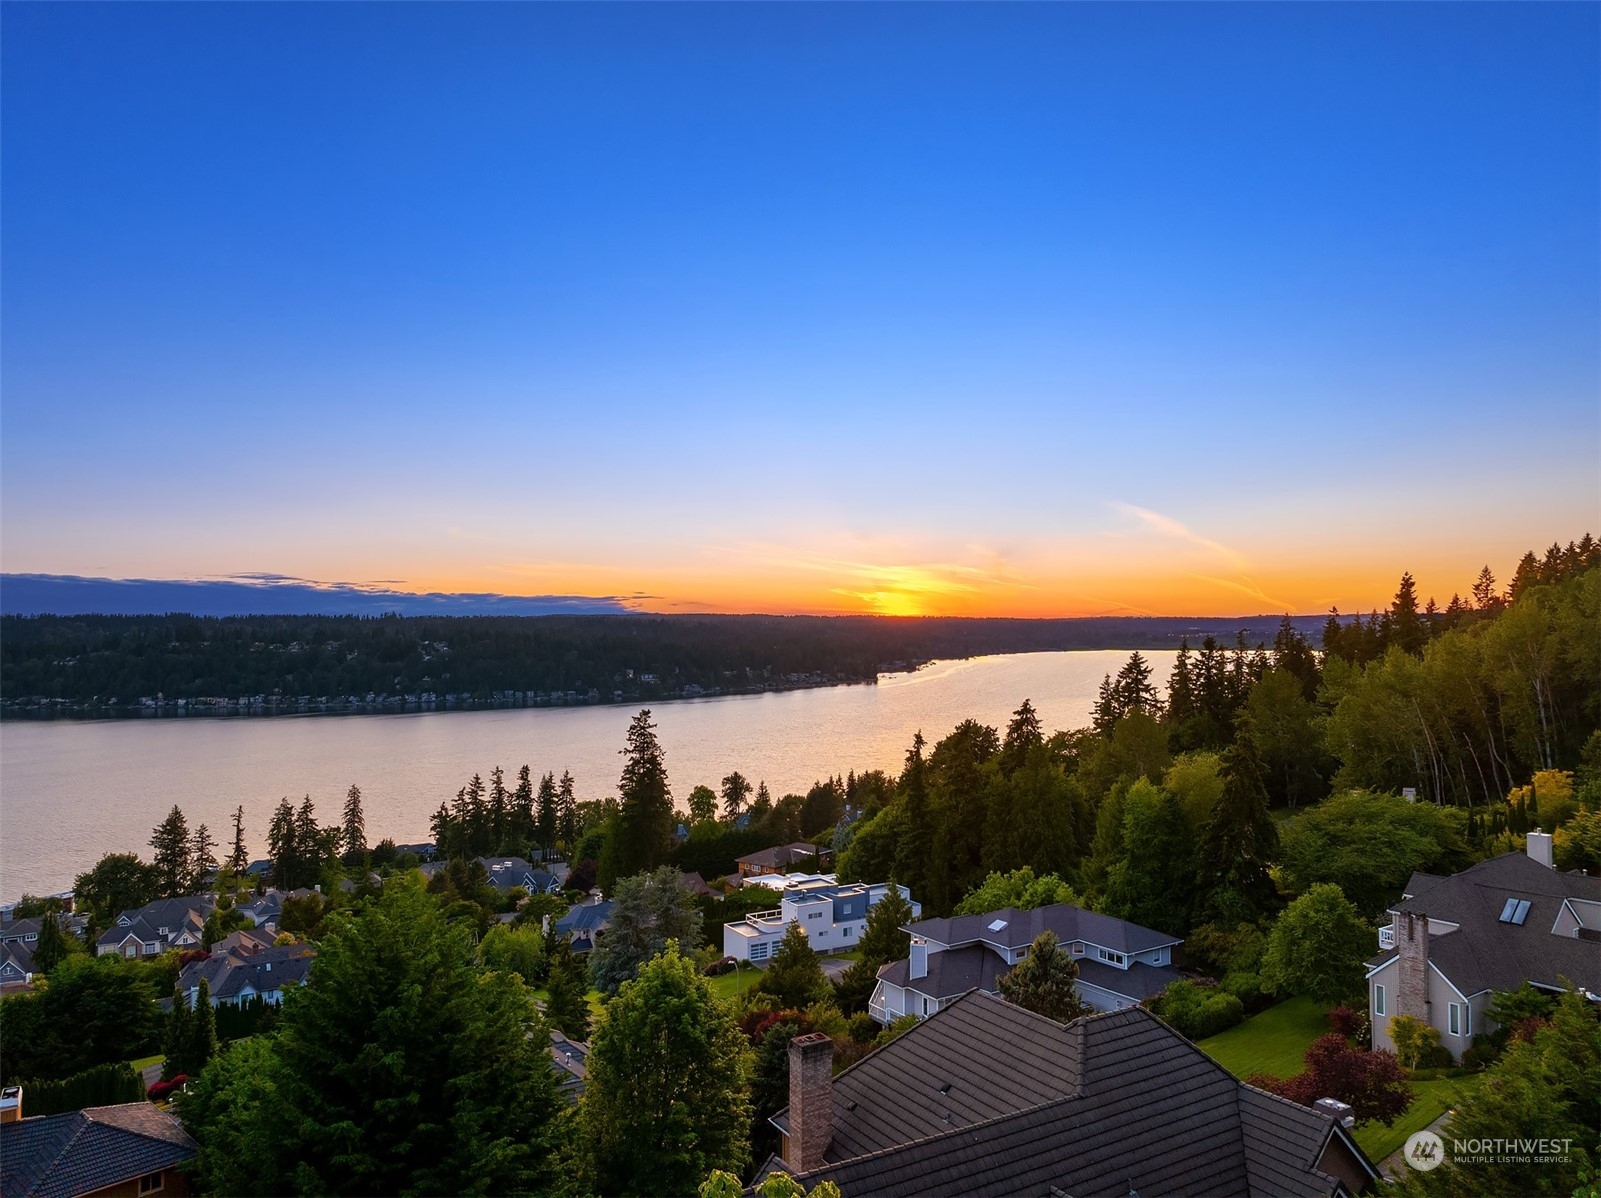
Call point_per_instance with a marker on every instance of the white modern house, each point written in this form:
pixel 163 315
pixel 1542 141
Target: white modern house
pixel 1119 963
pixel 832 914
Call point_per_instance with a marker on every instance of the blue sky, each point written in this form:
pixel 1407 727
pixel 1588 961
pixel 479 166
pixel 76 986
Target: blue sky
pixel 1004 309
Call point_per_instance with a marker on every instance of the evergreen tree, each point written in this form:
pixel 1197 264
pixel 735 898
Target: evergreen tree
pixel 1133 689
pixel 1485 596
pixel 1180 688
pixel 353 838
pixel 308 844
pixel 1105 716
pixel 667 1098
pixel 568 987
pixel 1405 628
pixel 645 818
pixel 566 810
pixel 882 941
pixel 176 1038
pixel 202 858
pixel 1044 981
pixel 525 824
pixel 648 910
pixel 1023 736
pixel 794 976
pixel 51 948
pixel 546 819
pixel 1240 842
pixel 172 857
pixel 762 805
pixel 499 811
pixel 283 847
pixel 914 852
pixel 239 858
pixel 200 1043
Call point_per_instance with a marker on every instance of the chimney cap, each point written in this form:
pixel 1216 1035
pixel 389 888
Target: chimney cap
pixel 812 1038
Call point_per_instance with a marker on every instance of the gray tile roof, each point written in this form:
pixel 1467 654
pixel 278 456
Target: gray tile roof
pixel 176 915
pixel 229 974
pixel 1486 954
pixel 1020 927
pixel 950 972
pixel 586 917
pixel 58 1156
pixel 571 1058
pixel 987 1098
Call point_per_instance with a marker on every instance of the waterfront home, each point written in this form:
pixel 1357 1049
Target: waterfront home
pixel 1453 943
pixel 779 859
pixel 246 971
pixel 1119 963
pixel 985 1097
pixel 832 914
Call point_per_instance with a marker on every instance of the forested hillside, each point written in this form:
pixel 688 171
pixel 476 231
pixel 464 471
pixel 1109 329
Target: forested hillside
pixel 103 664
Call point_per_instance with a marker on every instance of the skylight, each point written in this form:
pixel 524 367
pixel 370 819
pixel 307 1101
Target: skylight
pixel 997 924
pixel 1515 911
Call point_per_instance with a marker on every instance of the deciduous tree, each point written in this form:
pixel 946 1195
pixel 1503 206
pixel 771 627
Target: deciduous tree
pixel 1318 947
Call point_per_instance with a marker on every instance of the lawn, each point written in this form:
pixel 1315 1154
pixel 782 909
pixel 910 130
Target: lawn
pixel 1273 1042
pixel 146 1062
pixel 730 984
pixel 1431 1100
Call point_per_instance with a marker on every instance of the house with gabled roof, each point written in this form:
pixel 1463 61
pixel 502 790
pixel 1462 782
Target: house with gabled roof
pixel 1453 943
pixel 984 1097
pixel 151 930
pixel 246 971
pixel 1119 963
pixel 780 859
pixel 586 922
pixel 107 1151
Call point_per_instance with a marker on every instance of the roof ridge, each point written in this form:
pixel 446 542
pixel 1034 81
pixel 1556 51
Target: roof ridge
pixel 134 1131
pixel 941 1135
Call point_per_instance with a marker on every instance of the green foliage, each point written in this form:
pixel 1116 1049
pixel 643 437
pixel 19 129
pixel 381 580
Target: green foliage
pixel 667 1098
pixel 1152 883
pixel 650 909
pixel 1240 840
pixel 221 923
pixel 645 819
pixel 896 1030
pixel 1548 1086
pixel 1044 981
pixel 53 945
pixel 104 1085
pixel 1511 1009
pixel 1369 845
pixel 567 1007
pixel 519 950
pixel 1414 1040
pixel 874 846
pixel 171 860
pixel 1577 844
pixel 402 1069
pixel 95 1011
pixel 702 805
pixel 884 938
pixel 1225 949
pixel 794 976
pixel 118 882
pixel 1318 947
pixel 1197 1012
pixel 1020 889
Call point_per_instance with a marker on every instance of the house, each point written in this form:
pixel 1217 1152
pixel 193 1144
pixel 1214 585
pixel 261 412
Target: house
pixel 245 972
pixel 156 927
pixel 571 1058
pixel 1453 943
pixel 133 1149
pixel 1119 963
pixel 585 923
pixel 833 916
pixel 504 873
pixel 264 911
pixel 780 859
pixel 985 1097
pixel 696 885
pixel 16 963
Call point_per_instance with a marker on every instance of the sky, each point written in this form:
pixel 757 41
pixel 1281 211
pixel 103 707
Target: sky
pixel 992 310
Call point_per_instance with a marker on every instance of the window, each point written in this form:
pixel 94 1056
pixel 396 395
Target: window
pixel 150 1183
pixel 823 935
pixel 1459 1019
pixel 925 1006
pixel 1378 1000
pixel 1078 949
pixel 1109 956
pixel 815 915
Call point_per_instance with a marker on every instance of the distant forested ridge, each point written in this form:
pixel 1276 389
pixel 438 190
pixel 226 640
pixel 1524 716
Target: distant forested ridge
pixel 245 665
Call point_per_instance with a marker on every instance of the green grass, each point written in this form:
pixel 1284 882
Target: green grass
pixel 730 984
pixel 1431 1100
pixel 146 1062
pixel 1273 1042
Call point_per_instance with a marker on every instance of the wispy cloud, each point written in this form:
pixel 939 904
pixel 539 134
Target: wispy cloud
pixel 1170 527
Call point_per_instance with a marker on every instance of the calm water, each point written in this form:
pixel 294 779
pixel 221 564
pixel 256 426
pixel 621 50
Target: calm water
pixel 70 791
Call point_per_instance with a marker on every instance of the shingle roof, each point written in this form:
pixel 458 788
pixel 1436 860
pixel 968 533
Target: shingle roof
pixel 585 918
pixel 781 855
pixel 228 974
pixel 1487 954
pixel 950 972
pixel 58 1156
pixel 1020 927
pixel 987 1098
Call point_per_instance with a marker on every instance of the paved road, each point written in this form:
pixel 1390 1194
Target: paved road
pixel 834 967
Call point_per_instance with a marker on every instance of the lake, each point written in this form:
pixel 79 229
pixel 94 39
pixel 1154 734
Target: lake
pixel 73 790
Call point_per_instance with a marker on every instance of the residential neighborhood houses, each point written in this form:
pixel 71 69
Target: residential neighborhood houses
pixel 156 927
pixel 1120 964
pixel 508 873
pixel 832 914
pixel 134 1149
pixel 781 859
pixel 241 968
pixel 1454 943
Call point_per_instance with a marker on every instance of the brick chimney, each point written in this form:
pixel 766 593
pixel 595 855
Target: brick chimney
pixel 811 1101
pixel 1412 982
pixel 10 1104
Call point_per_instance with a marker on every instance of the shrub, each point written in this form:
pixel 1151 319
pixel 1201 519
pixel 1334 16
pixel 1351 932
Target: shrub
pixel 863 1028
pixel 1345 1021
pixel 1197 1012
pixel 1373 1083
pixel 1247 987
pixel 1412 1039
pixel 717 968
pixel 103 1085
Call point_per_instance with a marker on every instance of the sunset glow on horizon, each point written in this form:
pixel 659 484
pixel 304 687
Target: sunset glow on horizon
pixel 1059 310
